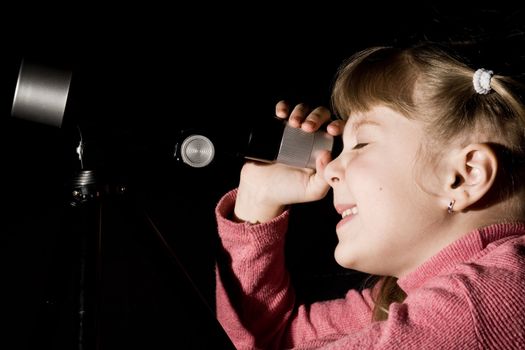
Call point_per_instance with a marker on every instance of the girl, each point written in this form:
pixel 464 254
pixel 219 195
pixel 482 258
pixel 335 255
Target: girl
pixel 430 192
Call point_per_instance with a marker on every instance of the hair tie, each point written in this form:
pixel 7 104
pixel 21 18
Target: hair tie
pixel 481 81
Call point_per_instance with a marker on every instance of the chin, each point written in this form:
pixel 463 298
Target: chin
pixel 343 259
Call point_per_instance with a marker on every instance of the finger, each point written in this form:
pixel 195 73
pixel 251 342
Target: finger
pixel 336 127
pixel 298 115
pixel 316 118
pixel 282 110
pixel 322 161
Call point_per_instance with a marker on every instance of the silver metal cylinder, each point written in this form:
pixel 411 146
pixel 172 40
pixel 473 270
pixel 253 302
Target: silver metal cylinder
pixel 41 94
pixel 300 148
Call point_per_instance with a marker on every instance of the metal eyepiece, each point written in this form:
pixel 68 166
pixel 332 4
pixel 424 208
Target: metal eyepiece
pixel 197 151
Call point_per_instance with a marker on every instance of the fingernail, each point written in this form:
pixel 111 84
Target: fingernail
pixel 309 123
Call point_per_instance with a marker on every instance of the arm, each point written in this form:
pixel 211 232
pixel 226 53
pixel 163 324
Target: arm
pixel 254 298
pixel 255 301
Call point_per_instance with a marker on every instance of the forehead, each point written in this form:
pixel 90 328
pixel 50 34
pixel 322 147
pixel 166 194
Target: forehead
pixel 359 120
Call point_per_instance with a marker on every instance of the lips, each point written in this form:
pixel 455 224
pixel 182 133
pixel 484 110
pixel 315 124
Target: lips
pixel 347 212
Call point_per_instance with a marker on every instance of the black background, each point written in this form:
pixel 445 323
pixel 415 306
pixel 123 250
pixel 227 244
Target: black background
pixel 140 76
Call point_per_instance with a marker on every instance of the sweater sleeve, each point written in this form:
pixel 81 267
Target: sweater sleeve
pixel 255 300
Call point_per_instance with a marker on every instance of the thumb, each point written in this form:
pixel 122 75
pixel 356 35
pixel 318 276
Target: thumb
pixel 323 158
pixel 318 186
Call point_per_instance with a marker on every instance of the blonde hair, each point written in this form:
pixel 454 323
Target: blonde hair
pixel 428 83
pixel 431 84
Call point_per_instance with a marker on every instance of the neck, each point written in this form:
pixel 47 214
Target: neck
pixel 453 227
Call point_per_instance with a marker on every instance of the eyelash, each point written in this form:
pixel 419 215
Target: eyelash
pixel 359 145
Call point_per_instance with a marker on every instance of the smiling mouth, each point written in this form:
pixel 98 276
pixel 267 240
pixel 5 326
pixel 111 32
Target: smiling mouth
pixel 349 211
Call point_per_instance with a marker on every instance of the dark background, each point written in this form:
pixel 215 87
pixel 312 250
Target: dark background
pixel 140 77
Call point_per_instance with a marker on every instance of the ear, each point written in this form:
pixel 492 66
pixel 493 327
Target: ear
pixel 471 174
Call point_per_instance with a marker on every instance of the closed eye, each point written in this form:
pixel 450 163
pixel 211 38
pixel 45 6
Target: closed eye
pixel 360 145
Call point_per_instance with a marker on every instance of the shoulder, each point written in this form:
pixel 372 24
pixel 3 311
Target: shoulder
pixel 480 300
pixel 501 263
pixel 492 284
pixel 496 274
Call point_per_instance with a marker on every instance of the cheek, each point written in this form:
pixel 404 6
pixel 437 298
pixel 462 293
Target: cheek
pixel 370 176
pixel 382 190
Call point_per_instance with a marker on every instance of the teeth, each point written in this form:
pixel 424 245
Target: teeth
pixel 349 211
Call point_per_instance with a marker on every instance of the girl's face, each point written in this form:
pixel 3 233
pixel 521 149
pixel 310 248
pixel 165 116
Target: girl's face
pixel 388 222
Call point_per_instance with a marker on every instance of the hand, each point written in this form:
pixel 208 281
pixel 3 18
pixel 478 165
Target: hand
pixel 309 122
pixel 266 189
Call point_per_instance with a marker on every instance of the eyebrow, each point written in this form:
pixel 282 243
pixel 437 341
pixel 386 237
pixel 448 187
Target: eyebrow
pixel 363 121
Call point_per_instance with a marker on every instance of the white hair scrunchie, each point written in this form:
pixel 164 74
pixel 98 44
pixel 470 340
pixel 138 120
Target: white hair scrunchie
pixel 481 81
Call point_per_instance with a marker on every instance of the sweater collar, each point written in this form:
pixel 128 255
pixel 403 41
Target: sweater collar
pixel 459 251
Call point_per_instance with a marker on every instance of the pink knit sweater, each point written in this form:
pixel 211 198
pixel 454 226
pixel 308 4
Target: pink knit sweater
pixel 471 295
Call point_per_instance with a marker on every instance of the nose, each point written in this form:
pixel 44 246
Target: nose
pixel 333 172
